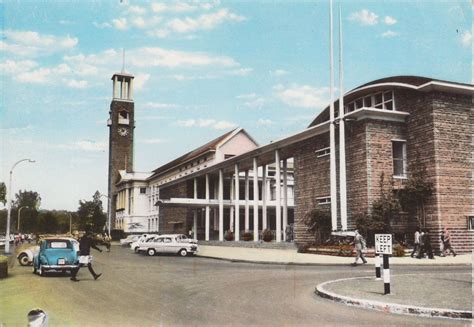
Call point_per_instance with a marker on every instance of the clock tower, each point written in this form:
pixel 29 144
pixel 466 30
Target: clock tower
pixel 121 124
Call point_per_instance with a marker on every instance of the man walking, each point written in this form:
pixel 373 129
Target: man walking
pixel 416 246
pixel 85 244
pixel 359 245
pixel 447 242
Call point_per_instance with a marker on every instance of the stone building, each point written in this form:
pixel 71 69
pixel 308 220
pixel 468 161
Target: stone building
pixel 393 126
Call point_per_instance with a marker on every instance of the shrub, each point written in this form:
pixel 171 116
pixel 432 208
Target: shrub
pixel 267 235
pixel 229 236
pixel 319 223
pixel 247 236
pixel 398 250
pixel 3 259
pixel 303 247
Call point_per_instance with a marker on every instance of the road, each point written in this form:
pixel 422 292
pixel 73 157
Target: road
pixel 137 290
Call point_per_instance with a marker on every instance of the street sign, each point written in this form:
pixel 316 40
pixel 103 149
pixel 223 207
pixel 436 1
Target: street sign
pixel 383 243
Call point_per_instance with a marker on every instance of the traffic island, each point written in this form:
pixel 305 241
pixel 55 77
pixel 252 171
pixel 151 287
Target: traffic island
pixel 438 295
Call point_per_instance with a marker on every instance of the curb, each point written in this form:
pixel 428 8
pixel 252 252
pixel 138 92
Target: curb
pixel 390 307
pixel 289 263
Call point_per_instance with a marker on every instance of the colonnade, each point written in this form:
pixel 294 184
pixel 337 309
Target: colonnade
pixel 281 202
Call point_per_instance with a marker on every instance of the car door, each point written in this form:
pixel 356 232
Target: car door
pixel 168 244
pixel 159 245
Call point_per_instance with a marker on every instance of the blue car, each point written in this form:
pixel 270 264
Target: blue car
pixel 58 254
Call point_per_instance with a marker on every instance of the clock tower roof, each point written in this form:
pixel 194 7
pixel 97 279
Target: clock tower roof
pixel 122 75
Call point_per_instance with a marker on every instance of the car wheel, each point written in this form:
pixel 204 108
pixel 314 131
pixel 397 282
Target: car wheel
pixel 23 259
pixel 41 271
pixel 151 252
pixel 183 252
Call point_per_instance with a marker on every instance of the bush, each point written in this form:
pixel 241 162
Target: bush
pixel 3 259
pixel 398 250
pixel 267 235
pixel 247 236
pixel 229 236
pixel 303 247
pixel 3 266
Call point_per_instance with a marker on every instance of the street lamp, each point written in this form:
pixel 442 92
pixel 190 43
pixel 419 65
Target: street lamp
pixel 9 204
pixel 19 216
pixel 108 212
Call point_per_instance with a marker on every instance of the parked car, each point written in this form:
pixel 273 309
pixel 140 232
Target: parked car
pixel 129 240
pixel 26 256
pixel 56 253
pixel 172 244
pixel 143 238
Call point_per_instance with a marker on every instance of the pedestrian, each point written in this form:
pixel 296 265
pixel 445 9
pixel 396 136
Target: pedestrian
pixel 421 251
pixel 441 246
pixel 426 247
pixel 85 244
pixel 416 246
pixel 359 246
pixel 447 242
pixel 107 240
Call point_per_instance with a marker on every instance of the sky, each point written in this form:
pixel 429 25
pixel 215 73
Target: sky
pixel 201 69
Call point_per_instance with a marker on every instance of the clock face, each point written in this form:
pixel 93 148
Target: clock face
pixel 122 131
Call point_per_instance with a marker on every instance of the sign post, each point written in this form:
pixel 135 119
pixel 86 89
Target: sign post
pixel 383 245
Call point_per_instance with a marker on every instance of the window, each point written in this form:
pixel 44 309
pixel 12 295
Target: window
pixel 142 190
pixel 322 152
pixel 323 200
pixel 470 222
pixel 381 100
pixel 228 156
pixel 399 158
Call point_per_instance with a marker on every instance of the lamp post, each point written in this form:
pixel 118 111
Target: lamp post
pixel 19 216
pixel 108 212
pixel 9 204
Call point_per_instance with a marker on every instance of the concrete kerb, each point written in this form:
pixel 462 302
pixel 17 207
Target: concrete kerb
pixel 389 307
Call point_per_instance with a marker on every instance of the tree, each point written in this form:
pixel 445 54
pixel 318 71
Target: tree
pixel 31 200
pixel 48 222
pixel 91 215
pixel 384 209
pixel 318 222
pixel 417 191
pixel 3 193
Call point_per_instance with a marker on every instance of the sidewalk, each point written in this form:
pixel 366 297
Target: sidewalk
pixel 290 256
pixel 446 295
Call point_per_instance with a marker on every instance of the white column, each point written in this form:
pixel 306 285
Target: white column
pixel 247 200
pixel 231 197
pixel 332 137
pixel 207 208
pixel 127 197
pixel 130 89
pixel 236 204
pixel 278 196
pixel 264 197
pixel 221 205
pixel 285 198
pixel 255 200
pixel 195 214
pixel 115 91
pixel 122 95
pixel 342 135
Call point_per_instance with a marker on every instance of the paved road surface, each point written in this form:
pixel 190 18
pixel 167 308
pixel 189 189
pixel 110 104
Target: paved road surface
pixel 138 290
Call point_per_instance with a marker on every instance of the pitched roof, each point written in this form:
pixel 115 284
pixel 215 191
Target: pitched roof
pixel 210 146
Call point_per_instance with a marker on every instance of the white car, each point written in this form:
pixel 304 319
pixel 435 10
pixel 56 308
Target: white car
pixel 143 238
pixel 170 244
pixel 129 240
pixel 25 257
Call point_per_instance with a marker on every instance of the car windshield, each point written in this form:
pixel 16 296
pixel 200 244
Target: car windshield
pixel 58 245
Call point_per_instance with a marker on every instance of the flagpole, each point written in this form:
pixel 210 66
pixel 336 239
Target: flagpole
pixel 332 141
pixel 342 134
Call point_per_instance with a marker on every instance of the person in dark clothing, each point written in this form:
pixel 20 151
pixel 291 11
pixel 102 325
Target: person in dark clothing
pixel 426 247
pixel 85 244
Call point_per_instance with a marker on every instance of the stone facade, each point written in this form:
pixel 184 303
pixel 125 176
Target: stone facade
pixel 438 135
